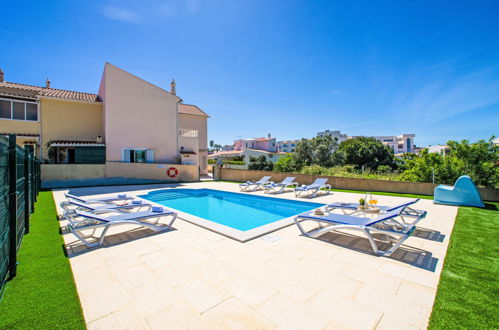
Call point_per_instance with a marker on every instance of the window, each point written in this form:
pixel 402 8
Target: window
pixel 191 133
pixel 31 111
pixel 408 145
pixel 138 155
pixel 5 109
pixel 18 110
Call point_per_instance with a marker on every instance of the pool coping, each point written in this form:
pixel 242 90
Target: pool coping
pixel 236 234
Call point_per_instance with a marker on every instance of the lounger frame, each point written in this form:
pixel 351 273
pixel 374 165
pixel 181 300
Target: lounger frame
pixel 396 230
pixel 79 223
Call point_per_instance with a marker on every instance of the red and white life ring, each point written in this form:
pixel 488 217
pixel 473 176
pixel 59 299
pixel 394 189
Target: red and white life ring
pixel 172 172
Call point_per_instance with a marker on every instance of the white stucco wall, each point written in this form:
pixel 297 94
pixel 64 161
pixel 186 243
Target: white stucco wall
pixel 138 114
pixel 199 123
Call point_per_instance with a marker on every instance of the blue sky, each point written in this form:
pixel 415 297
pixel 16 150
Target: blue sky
pixel 290 68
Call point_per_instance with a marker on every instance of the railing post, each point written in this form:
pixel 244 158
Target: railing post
pixel 12 207
pixel 27 192
pixel 32 180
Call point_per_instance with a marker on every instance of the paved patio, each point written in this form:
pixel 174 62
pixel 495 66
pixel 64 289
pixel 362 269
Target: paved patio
pixel 192 278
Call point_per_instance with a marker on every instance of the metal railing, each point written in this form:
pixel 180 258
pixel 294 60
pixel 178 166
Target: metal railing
pixel 19 187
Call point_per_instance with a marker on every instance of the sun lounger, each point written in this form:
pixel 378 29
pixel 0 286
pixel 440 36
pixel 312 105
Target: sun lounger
pixel 388 225
pixel 80 221
pixel 252 186
pixel 279 187
pixel 102 200
pixel 352 207
pixel 71 205
pixel 314 188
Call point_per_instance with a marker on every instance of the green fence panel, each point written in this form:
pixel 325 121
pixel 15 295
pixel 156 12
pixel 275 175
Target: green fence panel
pixel 4 211
pixel 19 186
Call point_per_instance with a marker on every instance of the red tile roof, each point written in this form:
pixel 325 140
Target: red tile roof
pixel 191 109
pixel 16 89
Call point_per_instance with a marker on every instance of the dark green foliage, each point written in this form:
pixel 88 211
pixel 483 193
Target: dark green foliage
pixel 479 160
pixel 366 153
pixel 287 163
pixel 260 163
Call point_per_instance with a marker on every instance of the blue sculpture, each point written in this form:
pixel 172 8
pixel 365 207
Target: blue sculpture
pixel 464 192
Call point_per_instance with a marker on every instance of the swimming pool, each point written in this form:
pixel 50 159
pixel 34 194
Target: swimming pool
pixel 242 212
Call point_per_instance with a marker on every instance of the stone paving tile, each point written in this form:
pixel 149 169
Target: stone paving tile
pixel 248 291
pixel 174 274
pixel 290 314
pixel 192 278
pixel 201 294
pixel 389 322
pixel 103 301
pixel 135 276
pixel 152 297
pixel 94 279
pixel 178 316
pixel 232 314
pixel 344 311
pixel 157 259
pixel 125 318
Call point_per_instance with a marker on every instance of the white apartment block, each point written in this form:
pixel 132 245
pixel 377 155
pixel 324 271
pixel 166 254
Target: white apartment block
pixel 444 150
pixel 340 137
pixel 287 146
pixel 398 143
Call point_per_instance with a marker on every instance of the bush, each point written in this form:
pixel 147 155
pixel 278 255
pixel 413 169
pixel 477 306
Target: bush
pixel 234 162
pixel 287 163
pixel 348 171
pixel 479 160
pixel 260 164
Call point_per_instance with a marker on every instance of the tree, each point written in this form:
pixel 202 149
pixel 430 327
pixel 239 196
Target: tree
pixel 211 144
pixel 479 160
pixel 260 164
pixel 316 151
pixel 304 153
pixel 217 147
pixel 287 163
pixel 366 153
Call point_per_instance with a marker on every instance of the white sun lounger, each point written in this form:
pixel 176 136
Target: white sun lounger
pixel 352 207
pixel 387 224
pixel 314 188
pixel 80 221
pixel 254 185
pixel 71 205
pixel 113 199
pixel 279 187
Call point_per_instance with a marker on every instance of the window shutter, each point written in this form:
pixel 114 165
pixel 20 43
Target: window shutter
pixel 126 155
pixel 150 156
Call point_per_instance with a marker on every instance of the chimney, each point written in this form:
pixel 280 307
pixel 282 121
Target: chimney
pixel 172 87
pixel 1 75
pixel 47 83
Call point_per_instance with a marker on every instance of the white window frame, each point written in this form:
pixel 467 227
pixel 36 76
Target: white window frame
pixel 25 110
pixel 149 155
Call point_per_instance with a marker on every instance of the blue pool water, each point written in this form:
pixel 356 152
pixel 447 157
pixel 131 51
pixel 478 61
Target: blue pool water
pixel 239 211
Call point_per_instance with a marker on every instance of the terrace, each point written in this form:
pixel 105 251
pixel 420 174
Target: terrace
pixel 192 277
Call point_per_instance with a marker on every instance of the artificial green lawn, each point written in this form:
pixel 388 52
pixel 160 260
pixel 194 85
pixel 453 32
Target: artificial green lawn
pixel 43 294
pixel 468 292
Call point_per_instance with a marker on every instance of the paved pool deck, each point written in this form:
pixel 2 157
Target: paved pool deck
pixel 193 278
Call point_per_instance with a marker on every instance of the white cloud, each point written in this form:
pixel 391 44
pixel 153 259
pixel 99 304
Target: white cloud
pixel 120 14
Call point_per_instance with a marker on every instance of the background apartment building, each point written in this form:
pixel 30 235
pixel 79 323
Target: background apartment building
pixel 253 147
